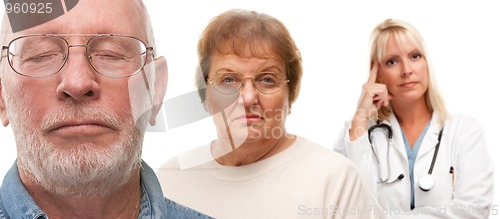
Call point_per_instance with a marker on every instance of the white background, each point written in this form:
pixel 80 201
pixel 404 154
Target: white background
pixel 463 40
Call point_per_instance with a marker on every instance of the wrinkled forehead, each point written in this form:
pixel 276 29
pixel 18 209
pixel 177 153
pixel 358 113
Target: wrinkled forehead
pixel 402 38
pixel 86 17
pixel 249 48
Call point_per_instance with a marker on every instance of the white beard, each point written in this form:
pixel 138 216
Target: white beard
pixel 82 170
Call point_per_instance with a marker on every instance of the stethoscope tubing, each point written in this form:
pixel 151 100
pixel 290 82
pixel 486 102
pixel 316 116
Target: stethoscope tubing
pixel 389 132
pixel 436 151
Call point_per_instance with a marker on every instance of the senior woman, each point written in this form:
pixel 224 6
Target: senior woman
pixel 252 70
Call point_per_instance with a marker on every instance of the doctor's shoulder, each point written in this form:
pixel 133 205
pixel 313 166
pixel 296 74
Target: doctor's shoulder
pixel 458 124
pixel 465 133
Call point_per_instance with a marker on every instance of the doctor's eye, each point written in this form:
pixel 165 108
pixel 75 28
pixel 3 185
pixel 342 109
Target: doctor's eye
pixel 416 56
pixel 391 62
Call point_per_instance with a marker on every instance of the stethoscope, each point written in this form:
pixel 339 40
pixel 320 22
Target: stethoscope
pixel 426 182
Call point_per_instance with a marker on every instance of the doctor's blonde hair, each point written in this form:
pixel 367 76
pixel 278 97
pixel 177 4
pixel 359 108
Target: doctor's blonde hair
pixel 398 29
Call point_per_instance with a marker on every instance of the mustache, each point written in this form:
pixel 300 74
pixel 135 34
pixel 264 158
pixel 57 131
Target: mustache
pixel 84 112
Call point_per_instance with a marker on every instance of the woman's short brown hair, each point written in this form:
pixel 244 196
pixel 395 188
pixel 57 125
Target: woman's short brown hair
pixel 239 31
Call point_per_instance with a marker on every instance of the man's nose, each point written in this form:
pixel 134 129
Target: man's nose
pixel 78 78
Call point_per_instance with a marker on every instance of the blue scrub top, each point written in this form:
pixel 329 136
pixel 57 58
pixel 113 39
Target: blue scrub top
pixel 412 156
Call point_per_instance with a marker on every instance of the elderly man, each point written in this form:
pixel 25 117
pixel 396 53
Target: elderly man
pixel 79 91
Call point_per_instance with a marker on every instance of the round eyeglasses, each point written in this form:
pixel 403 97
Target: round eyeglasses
pixel 265 82
pixel 44 55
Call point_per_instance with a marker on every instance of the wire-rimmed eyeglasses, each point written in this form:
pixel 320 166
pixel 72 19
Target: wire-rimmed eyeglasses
pixel 231 82
pixel 44 55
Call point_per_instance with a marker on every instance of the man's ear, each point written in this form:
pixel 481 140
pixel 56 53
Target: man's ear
pixel 160 87
pixel 3 110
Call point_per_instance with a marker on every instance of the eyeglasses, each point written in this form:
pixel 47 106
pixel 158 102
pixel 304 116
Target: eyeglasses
pixel 44 55
pixel 265 82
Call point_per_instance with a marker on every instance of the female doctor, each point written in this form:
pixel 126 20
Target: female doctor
pixel 417 159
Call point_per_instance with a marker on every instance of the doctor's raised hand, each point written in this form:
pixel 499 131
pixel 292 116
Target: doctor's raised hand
pixel 373 97
pixel 418 159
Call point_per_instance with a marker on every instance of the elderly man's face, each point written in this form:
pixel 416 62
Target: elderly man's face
pixel 79 128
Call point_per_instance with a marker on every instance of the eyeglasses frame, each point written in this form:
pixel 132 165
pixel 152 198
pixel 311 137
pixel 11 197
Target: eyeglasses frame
pixel 61 36
pixel 286 81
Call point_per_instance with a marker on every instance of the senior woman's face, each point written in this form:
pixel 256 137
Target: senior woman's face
pixel 248 115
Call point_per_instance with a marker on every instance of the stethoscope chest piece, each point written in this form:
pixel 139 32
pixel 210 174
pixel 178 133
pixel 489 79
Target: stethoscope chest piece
pixel 426 183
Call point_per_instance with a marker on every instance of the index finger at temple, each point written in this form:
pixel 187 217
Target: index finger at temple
pixel 373 73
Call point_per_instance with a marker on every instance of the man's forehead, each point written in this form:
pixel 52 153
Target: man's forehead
pixel 94 17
